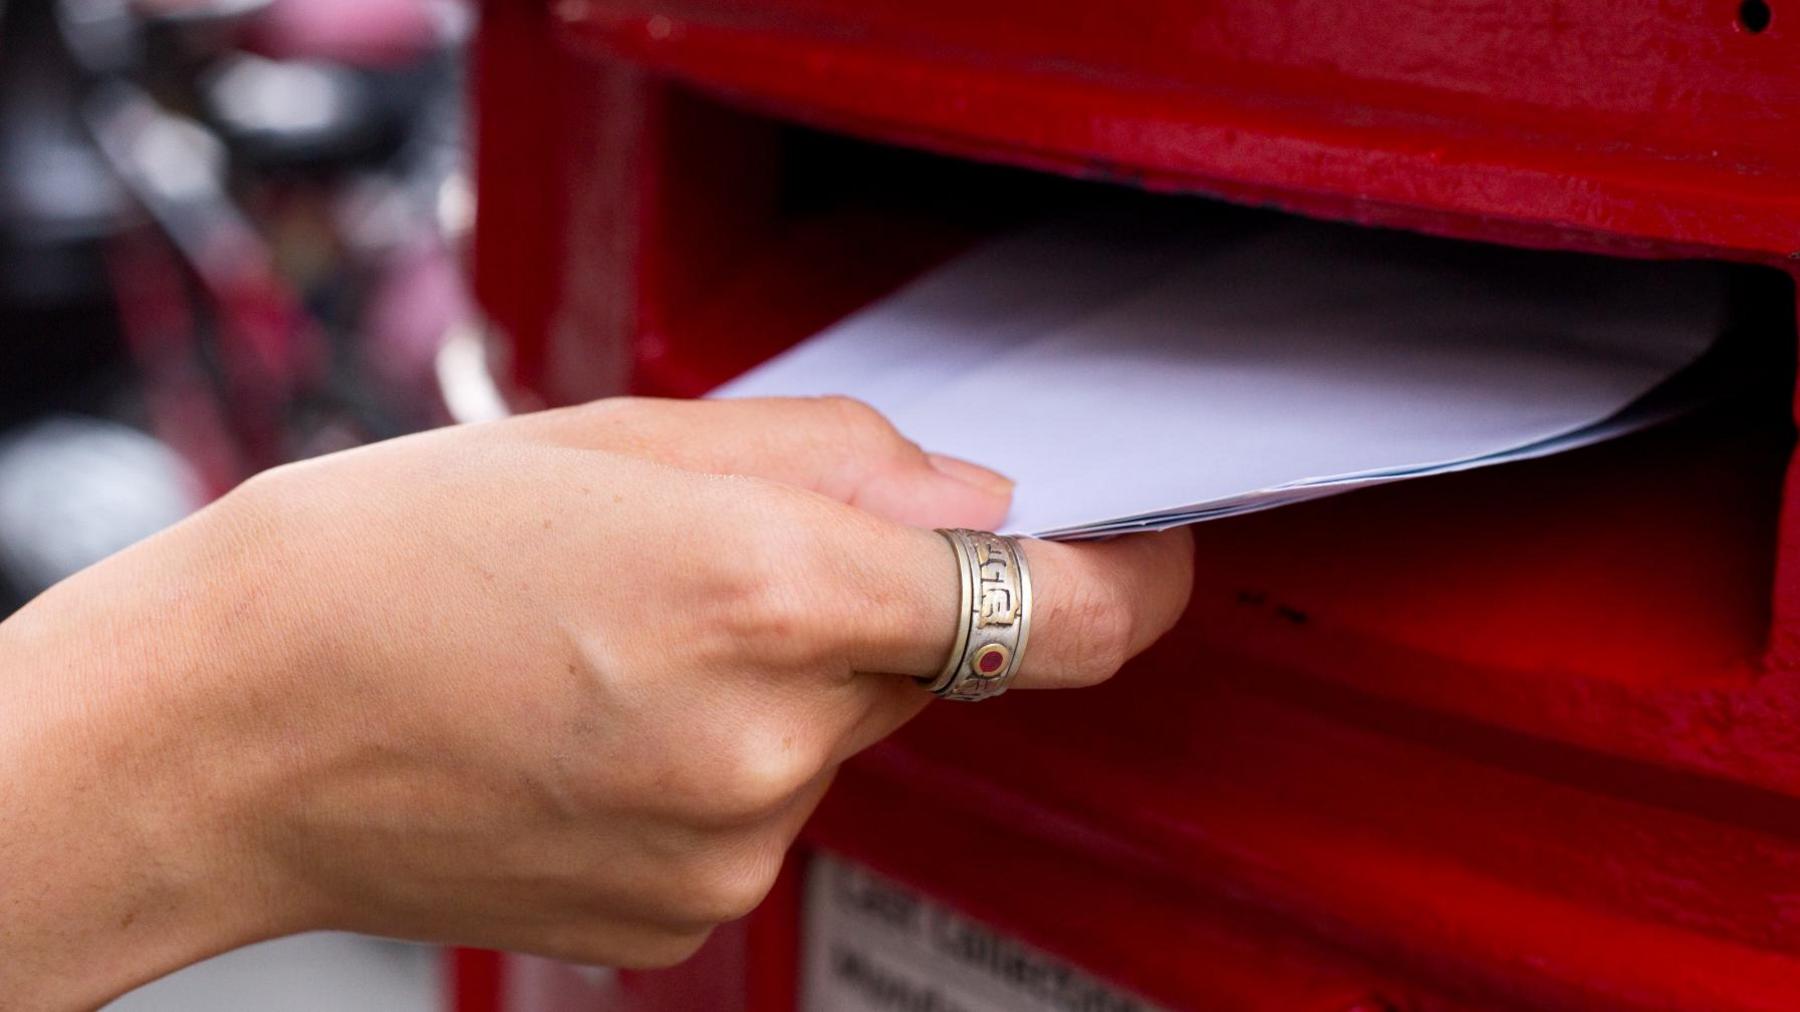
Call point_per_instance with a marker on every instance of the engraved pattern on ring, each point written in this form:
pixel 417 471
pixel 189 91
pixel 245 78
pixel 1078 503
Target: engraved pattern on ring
pixel 994 616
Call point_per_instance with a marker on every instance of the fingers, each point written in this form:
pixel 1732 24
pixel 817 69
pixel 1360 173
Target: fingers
pixel 1097 603
pixel 889 596
pixel 1100 603
pixel 835 446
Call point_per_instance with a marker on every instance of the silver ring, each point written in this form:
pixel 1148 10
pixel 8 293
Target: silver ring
pixel 993 617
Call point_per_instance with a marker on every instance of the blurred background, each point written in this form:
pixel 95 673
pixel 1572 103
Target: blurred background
pixel 230 237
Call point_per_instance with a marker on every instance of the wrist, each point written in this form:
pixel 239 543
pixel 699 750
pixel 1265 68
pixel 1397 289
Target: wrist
pixel 134 849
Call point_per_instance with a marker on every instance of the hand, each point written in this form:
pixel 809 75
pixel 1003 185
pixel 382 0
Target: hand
pixel 571 683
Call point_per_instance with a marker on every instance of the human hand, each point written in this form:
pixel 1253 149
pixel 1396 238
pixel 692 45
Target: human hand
pixel 571 683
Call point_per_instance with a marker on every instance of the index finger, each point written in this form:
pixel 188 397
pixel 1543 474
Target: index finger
pixel 1096 604
pixel 1101 603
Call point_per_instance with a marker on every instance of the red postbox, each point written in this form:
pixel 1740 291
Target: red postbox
pixel 1520 739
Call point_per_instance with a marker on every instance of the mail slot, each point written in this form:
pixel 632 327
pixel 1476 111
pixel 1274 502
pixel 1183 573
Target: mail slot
pixel 1526 738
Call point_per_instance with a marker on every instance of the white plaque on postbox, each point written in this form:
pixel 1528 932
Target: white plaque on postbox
pixel 872 945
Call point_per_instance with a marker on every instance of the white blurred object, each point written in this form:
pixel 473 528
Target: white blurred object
pixel 306 973
pixel 467 384
pixel 74 490
pixel 256 95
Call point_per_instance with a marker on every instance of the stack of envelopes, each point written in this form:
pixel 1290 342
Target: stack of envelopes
pixel 1138 377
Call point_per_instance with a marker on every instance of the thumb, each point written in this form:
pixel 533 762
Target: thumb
pixel 836 446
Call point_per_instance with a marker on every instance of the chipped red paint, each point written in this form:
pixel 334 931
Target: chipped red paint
pixel 1520 739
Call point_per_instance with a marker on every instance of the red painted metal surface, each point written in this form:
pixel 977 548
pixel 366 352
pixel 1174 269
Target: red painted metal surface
pixel 477 980
pixel 1518 739
pixel 1658 121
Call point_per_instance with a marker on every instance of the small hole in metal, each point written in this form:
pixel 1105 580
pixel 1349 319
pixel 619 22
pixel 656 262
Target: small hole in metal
pixel 1754 15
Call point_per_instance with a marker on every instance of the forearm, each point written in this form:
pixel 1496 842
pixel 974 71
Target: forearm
pixel 125 835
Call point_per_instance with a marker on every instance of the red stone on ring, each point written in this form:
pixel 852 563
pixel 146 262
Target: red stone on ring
pixel 990 660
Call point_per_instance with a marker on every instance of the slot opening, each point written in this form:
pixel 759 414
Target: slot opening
pixel 1649 560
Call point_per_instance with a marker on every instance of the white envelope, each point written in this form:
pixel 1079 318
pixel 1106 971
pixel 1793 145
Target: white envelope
pixel 1140 378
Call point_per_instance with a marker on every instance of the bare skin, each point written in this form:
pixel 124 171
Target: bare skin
pixel 568 684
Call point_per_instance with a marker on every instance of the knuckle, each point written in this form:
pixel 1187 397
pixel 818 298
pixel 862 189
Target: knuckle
pixel 854 417
pixel 645 427
pixel 262 494
pixel 762 776
pixel 860 428
pixel 732 885
pixel 624 405
pixel 605 407
pixel 262 508
pixel 768 604
pixel 767 618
